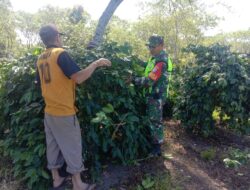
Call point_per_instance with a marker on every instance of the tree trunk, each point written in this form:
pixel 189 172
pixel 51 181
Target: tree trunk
pixel 103 22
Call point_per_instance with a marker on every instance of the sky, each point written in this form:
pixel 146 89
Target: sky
pixel 236 13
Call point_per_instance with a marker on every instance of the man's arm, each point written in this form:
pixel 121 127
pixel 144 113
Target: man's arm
pixel 84 74
pixel 72 71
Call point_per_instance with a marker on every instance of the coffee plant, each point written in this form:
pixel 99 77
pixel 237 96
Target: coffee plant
pixel 21 122
pixel 111 114
pixel 217 80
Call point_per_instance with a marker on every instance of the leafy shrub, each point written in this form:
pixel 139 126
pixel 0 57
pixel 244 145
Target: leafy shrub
pixel 112 114
pixel 220 80
pixel 236 157
pixel 23 136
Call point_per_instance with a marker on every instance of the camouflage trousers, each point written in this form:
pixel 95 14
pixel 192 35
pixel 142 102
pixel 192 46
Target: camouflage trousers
pixel 154 111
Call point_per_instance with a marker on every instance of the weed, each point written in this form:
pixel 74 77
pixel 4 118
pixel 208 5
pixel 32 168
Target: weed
pixel 158 182
pixel 236 157
pixel 208 154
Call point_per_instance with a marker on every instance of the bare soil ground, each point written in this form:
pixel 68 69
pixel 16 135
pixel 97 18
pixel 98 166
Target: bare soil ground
pixel 191 171
pixel 185 165
pixel 181 161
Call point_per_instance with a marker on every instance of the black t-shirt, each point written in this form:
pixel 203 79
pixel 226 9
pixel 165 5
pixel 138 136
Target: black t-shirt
pixel 67 64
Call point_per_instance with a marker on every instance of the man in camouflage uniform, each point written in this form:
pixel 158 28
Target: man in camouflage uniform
pixel 155 81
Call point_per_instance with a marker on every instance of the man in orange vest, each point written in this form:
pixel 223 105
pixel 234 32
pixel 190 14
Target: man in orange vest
pixel 58 76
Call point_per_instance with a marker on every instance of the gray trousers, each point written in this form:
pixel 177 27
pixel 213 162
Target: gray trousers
pixel 63 141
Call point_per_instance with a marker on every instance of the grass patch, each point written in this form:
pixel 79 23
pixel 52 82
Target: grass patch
pixel 208 154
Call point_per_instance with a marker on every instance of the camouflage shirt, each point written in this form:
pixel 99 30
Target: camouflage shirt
pixel 156 81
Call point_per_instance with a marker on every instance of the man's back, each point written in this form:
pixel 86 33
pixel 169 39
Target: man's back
pixel 57 89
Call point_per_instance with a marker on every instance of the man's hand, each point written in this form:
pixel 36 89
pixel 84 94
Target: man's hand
pixel 102 62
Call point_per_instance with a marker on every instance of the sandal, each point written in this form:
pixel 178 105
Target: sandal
pixel 62 186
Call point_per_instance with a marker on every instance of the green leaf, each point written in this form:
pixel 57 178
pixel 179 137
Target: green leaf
pixel 37 51
pixel 96 120
pixel 108 108
pixel 148 183
pixel 133 118
pixel 45 174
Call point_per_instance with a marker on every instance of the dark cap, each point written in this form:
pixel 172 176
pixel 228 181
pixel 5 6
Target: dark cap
pixel 155 40
pixel 48 33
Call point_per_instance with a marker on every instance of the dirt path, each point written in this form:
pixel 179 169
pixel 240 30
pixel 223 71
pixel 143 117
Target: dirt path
pixel 191 171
